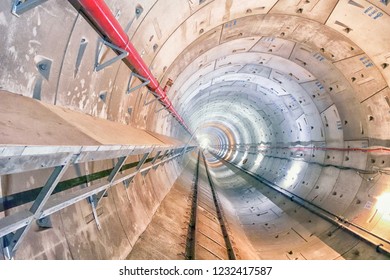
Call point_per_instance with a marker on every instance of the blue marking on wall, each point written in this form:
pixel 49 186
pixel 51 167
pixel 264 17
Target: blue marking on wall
pixel 231 23
pixel 318 57
pixel 373 12
pixel 366 62
pixel 319 85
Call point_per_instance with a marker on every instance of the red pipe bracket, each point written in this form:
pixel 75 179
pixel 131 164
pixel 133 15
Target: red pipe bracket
pixel 101 16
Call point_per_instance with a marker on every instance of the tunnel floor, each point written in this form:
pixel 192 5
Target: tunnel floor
pixel 261 223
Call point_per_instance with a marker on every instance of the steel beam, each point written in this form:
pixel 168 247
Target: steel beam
pixel 112 176
pixel 144 82
pixel 122 54
pixel 45 204
pixel 39 203
pixel 156 157
pixel 19 7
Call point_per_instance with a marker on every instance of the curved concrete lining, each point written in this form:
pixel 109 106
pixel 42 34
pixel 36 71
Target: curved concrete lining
pixel 294 91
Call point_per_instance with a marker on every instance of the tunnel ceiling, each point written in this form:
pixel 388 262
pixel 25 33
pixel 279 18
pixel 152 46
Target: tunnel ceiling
pixel 243 72
pixel 285 72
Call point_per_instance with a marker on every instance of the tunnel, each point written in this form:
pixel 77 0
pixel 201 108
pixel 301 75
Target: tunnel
pixel 186 129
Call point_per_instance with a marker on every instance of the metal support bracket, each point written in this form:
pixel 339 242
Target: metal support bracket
pixel 44 223
pixel 112 176
pixel 21 6
pixel 4 245
pixel 165 154
pixel 142 161
pixel 93 201
pixel 162 158
pixel 140 164
pixel 37 207
pixel 153 162
pixel 167 115
pixel 162 108
pixel 156 97
pixel 143 79
pixel 103 65
pixel 14 227
pixel 156 157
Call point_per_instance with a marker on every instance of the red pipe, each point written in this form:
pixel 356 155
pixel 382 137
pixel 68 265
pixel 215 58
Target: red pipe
pixel 98 12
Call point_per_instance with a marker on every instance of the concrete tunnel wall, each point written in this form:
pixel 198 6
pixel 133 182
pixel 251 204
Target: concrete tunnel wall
pixel 261 82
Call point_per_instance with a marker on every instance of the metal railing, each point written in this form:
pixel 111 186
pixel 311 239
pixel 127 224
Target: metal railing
pixel 16 159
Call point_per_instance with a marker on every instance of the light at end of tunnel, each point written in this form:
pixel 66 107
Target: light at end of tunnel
pixel 204 143
pixel 383 205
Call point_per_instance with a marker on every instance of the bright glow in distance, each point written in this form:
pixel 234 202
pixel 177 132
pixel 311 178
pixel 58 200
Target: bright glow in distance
pixel 204 142
pixel 383 205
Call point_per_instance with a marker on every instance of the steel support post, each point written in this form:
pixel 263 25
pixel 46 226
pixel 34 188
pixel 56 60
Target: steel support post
pixel 112 175
pixel 39 203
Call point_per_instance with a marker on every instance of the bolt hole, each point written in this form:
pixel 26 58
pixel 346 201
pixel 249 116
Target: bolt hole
pixel 347 29
pixel 138 10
